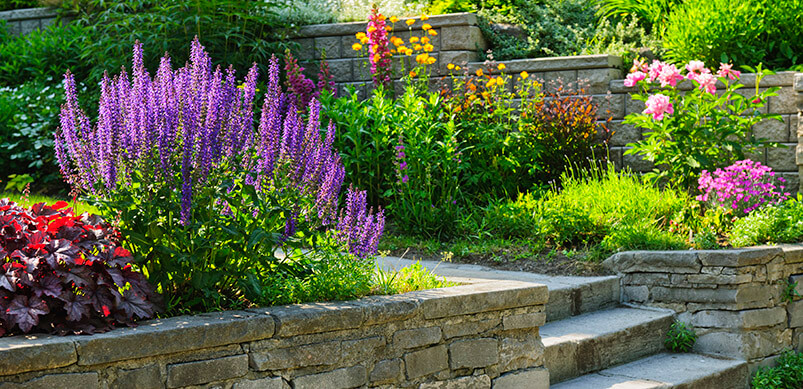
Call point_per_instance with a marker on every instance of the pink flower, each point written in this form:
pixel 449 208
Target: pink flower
pixel 696 68
pixel 639 66
pixel 707 82
pixel 725 70
pixel 658 105
pixel 669 75
pixel 633 78
pixel 655 69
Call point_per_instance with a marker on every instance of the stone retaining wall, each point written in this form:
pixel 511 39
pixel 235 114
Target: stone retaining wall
pixel 460 41
pixel 734 299
pixel 23 21
pixel 475 336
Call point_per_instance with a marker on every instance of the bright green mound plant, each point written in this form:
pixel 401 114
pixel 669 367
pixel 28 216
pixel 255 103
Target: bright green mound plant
pixel 680 338
pixel 782 223
pixel 786 374
pixel 686 132
pixel 218 212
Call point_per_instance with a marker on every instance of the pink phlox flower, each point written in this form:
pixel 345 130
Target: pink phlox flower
pixel 726 70
pixel 658 105
pixel 633 78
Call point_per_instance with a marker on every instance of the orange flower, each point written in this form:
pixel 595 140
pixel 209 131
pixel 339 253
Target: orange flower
pixel 490 83
pixel 426 26
pixel 360 35
pixel 371 29
pixel 430 60
pixel 394 19
pixel 425 39
pixel 417 47
pixel 501 66
pixel 524 75
pixel 428 47
pixel 479 73
pixel 412 73
pixel 424 17
pixel 432 32
pixel 408 52
pixel 414 39
pixel 356 47
pixel 410 22
pixel 364 40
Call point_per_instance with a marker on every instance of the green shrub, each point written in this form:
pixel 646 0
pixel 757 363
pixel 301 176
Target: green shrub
pixel 651 13
pixel 784 37
pixel 716 31
pixel 6 5
pixel 408 279
pixel 776 224
pixel 43 54
pixel 642 235
pixel 786 374
pixel 680 338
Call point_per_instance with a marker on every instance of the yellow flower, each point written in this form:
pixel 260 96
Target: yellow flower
pixel 457 68
pixel 428 47
pixel 413 39
pixel 501 66
pixel 394 19
pixel 371 29
pixel 364 40
pixel 432 32
pixel 479 73
pixel 387 28
pixel 430 60
pixel 382 17
pixel 486 95
pixel 524 75
pixel 360 35
pixel 408 52
pixel 402 49
pixel 376 57
pixel 490 83
pixel 393 51
pixel 426 26
pixel 356 47
pixel 500 81
pixel 410 22
pixel 425 39
pixel 417 47
pixel 450 66
pixel 424 17
pixel 472 97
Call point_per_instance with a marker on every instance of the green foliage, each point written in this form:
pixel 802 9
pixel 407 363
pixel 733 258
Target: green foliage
pixel 237 32
pixel 42 55
pixel 680 338
pixel 784 37
pixel 650 12
pixel 775 224
pixel 716 31
pixel 786 374
pixel 790 292
pixel 706 131
pixel 408 279
pixel 640 235
pixel 625 38
pixel 6 5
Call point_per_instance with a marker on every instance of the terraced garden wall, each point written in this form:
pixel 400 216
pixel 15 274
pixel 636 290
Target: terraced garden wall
pixel 465 336
pixel 23 21
pixel 460 41
pixel 739 301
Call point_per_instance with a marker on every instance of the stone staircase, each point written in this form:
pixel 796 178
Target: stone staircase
pixel 592 341
pixel 605 344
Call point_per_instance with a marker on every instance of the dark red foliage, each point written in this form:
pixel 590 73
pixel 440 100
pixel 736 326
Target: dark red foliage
pixel 62 273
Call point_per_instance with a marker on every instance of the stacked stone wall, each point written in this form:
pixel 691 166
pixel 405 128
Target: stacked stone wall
pixel 738 301
pixel 475 336
pixel 24 21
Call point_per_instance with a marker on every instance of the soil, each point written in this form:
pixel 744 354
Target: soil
pixel 551 262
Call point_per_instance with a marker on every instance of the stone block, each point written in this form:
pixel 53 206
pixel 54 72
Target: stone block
pixel 636 162
pixel 637 294
pixel 461 58
pixel 89 380
pixel 749 319
pixel 782 159
pixel 597 81
pixel 785 102
pixel 314 318
pixel 262 383
pixel 469 327
pixel 481 297
pixel 537 378
pixel 318 354
pixel 797 280
pixel 623 133
pixel 203 372
pixel 328 44
pixel 341 70
pixel 427 361
pixel 473 353
pixel 467 38
pixel 385 309
pixel 745 345
pixel 306 49
pixel 417 337
pixel 772 129
pixel 148 377
pixel 633 106
pixel 738 257
pixel 533 65
pixel 719 279
pixel 756 293
pixel 798 83
pixel 19 354
pixel 795 310
pixel 387 371
pixel 349 377
pixel 610 105
pixel 654 261
pixel 158 337
pixel 470 382
pixel 560 78
pixel 361 349
pixel 520 352
pixel 524 320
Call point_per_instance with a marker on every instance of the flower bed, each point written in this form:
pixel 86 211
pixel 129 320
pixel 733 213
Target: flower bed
pixel 468 335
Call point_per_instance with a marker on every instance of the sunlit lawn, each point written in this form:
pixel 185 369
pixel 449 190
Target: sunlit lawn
pixel 78 207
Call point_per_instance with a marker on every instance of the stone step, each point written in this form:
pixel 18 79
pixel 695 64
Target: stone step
pixel 568 295
pixel 597 340
pixel 687 371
